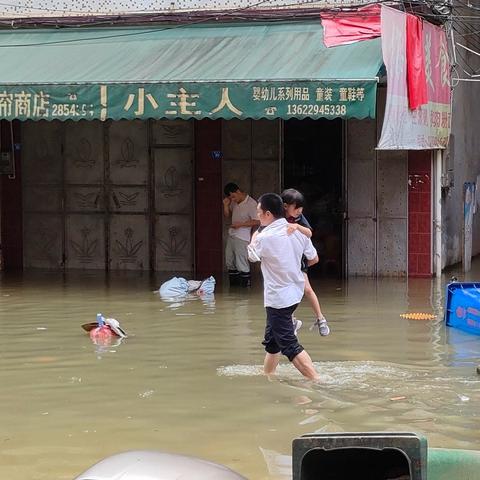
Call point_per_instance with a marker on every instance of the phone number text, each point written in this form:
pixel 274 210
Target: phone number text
pixel 71 110
pixel 299 109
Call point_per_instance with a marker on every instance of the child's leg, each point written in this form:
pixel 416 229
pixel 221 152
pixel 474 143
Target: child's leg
pixel 321 321
pixel 312 298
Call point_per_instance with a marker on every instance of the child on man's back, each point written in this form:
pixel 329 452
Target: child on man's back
pixel 294 201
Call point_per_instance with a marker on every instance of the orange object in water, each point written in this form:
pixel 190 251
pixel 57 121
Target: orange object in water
pixel 101 333
pixel 418 316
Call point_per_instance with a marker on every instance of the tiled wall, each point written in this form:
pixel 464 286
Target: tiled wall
pixel 419 214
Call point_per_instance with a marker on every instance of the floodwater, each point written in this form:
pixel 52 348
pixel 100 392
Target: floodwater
pixel 188 379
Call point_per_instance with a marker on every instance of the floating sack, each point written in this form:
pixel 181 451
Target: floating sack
pixel 207 287
pixel 193 285
pixel 175 287
pixel 179 287
pixel 418 316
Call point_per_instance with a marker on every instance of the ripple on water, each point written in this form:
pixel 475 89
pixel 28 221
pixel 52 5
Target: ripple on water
pixel 418 394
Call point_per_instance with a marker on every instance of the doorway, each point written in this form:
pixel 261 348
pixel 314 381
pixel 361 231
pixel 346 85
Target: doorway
pixel 313 164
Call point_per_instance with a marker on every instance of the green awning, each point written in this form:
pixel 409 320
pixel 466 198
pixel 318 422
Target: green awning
pixel 273 70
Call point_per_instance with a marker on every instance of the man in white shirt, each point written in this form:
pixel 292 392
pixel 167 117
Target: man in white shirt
pixel 280 254
pixel 243 210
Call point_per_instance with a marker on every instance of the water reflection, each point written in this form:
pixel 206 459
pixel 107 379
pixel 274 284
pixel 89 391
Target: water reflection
pixel 176 303
pixel 188 379
pixel 279 465
pixel 104 346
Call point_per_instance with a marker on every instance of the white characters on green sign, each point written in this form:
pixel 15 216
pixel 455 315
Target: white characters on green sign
pixel 140 98
pixel 184 103
pixel 226 102
pixel 20 104
pixel 41 104
pixel 6 100
pixel 280 93
pixel 351 94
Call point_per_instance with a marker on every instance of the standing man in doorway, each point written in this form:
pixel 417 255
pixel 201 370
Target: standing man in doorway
pixel 243 211
pixel 280 255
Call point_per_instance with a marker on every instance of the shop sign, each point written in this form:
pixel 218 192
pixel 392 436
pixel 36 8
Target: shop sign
pixel 327 99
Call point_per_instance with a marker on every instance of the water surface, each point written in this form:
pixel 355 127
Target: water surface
pixel 188 379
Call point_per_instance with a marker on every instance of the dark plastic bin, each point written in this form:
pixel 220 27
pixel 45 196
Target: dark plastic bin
pixel 462 306
pixel 360 456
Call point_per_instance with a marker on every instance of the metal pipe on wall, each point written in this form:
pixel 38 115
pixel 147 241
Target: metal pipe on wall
pixel 437 206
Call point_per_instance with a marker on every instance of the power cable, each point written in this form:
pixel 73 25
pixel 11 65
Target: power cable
pixel 146 11
pixel 211 16
pixel 129 34
pixel 467 5
pixel 82 12
pixel 460 27
pixel 129 12
pixel 465 64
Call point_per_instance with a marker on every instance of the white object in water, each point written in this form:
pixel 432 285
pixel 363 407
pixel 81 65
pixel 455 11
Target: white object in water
pixel 152 465
pixel 180 287
pixel 115 326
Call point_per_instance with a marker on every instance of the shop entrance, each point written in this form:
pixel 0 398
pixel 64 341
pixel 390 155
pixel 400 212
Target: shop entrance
pixel 313 164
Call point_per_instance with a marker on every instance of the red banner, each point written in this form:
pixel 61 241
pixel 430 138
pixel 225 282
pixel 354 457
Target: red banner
pixel 416 80
pixel 341 28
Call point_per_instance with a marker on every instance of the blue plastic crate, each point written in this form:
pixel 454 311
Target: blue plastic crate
pixel 462 308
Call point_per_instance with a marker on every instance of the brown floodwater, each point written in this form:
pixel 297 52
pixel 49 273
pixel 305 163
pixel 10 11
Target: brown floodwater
pixel 188 378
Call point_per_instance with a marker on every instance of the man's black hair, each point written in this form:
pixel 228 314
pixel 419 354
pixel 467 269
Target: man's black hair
pixel 230 188
pixel 273 203
pixel 290 196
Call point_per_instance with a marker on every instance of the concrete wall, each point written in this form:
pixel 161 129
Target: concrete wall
pixel 463 159
pixel 376 200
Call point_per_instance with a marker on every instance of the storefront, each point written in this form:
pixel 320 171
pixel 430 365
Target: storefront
pixel 122 138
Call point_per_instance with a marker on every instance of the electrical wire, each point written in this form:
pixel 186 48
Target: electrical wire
pixel 208 18
pixel 471 41
pixel 143 11
pixel 81 12
pixel 461 27
pixel 149 11
pixel 465 61
pixel 475 32
pixel 467 5
pixel 464 57
pixel 215 15
pixel 129 34
pixel 464 64
pixel 129 12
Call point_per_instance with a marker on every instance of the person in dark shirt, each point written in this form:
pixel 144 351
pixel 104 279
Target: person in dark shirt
pixel 293 201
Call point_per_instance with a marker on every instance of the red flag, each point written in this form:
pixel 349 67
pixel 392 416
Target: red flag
pixel 341 28
pixel 416 78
